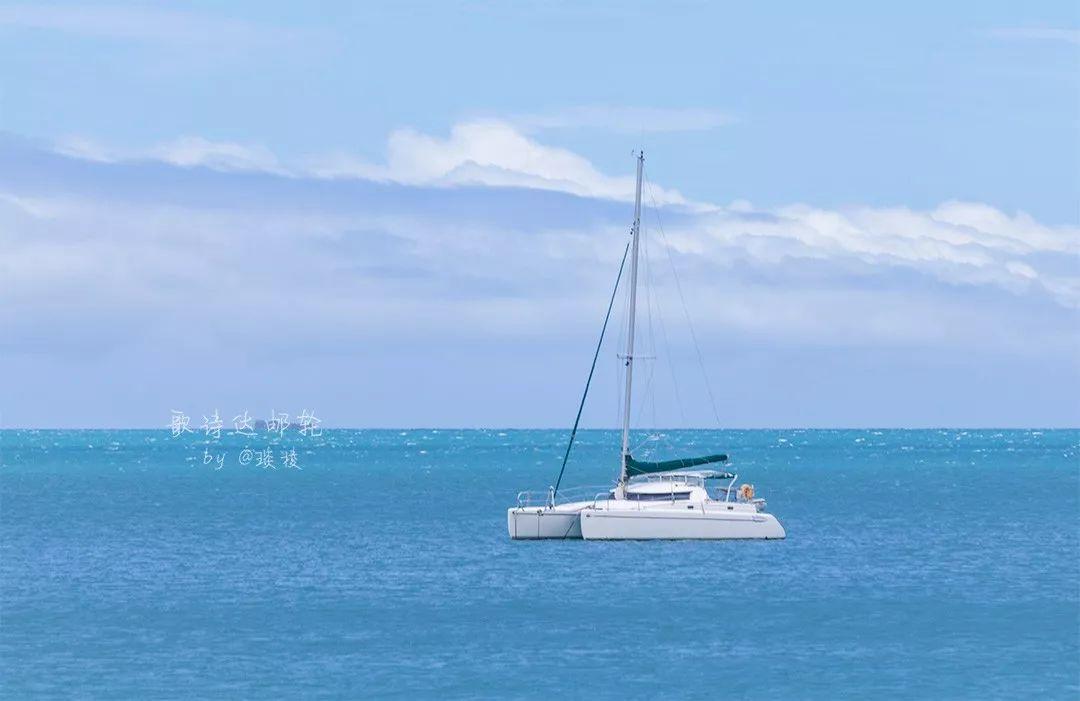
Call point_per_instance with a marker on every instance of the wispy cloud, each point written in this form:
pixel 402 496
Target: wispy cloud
pixel 485 152
pixel 489 152
pixel 956 243
pixel 420 245
pixel 186 152
pixel 202 282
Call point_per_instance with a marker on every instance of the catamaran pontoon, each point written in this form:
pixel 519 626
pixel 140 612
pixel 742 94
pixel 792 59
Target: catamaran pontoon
pixel 651 500
pixel 662 505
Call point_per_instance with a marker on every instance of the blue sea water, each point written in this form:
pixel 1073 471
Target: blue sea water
pixel 918 564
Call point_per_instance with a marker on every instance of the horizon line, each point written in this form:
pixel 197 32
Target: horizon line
pixel 594 428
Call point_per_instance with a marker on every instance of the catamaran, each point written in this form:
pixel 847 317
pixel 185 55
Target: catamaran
pixel 669 499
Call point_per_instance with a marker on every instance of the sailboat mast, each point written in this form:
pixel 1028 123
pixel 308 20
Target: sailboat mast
pixel 636 234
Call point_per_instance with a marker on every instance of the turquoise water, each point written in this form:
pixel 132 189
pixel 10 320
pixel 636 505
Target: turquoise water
pixel 918 564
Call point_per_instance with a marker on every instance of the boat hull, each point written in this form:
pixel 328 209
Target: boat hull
pixel 543 523
pixel 676 524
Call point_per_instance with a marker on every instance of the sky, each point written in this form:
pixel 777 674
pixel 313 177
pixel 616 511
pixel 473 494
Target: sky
pixel 412 215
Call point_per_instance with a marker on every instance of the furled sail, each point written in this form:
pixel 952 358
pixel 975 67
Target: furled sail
pixel 637 467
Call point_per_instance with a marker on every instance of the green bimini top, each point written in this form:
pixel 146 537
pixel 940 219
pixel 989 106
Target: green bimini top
pixel 636 467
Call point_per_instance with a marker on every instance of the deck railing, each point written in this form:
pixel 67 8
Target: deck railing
pixel 548 497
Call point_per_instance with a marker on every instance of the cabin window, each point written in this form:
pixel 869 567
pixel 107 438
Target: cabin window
pixel 668 496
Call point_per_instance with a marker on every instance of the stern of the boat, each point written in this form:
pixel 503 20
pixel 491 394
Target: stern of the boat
pixel 539 523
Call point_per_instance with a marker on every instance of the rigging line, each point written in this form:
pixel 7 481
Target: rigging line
pixel 577 420
pixel 620 367
pixel 645 396
pixel 678 286
pixel 655 309
pixel 644 399
pixel 667 343
pixel 650 301
pixel 671 367
pixel 644 441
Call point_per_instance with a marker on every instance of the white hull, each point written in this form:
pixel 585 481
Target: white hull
pixel 540 523
pixel 715 522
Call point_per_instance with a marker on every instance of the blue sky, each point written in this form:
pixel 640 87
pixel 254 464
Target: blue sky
pixel 410 215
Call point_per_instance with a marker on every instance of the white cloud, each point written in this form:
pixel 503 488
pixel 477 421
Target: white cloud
pixel 796 259
pixel 79 266
pixel 85 149
pixel 1019 233
pixel 219 155
pixel 491 153
pixel 185 152
pixel 955 243
pixel 488 153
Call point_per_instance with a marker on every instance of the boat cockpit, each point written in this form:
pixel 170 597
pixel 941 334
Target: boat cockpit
pixel 689 485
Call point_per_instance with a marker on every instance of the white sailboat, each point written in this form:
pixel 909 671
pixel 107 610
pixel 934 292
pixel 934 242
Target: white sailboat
pixel 651 500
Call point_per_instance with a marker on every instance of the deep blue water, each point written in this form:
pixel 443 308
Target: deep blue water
pixel 918 564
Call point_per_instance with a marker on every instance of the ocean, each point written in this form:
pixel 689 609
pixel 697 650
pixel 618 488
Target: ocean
pixel 919 564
